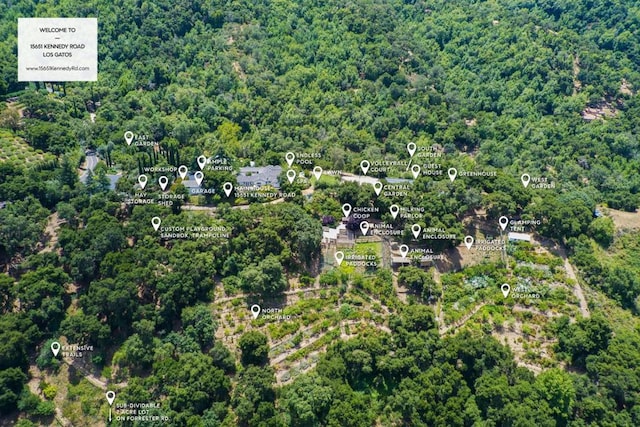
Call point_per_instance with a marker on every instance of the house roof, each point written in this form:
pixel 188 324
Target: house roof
pixel 259 176
pixel 523 237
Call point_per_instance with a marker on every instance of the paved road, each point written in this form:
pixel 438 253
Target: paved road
pixel 212 209
pixel 91 163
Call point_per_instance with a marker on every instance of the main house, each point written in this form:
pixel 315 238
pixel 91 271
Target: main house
pixel 259 176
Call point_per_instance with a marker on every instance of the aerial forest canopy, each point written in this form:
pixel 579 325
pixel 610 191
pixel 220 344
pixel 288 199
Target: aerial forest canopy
pixel 497 90
pixel 507 82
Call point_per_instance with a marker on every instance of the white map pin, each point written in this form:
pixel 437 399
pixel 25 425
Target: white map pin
pixel 317 172
pixel 142 180
pixel 111 396
pixel 411 148
pixel 404 250
pixel 182 170
pixel 415 170
pixel 468 242
pixel 291 175
pixel 339 256
pixel 163 181
pixel 290 157
pixel 255 310
pixel 202 161
pixel 199 176
pixel 525 178
pixel 377 187
pixel 128 137
pixel 453 172
pixel 364 227
pixel 394 209
pixel 346 210
pixel 228 188
pixel 55 348
pixel 156 221
pixel 505 288
pixel 416 229
pixel 364 165
pixel 503 221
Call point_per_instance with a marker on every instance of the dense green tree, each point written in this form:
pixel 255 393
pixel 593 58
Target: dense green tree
pixel 21 226
pixel 255 350
pixel 11 384
pixel 556 388
pixel 253 397
pixel 192 383
pixel 602 230
pixel 307 401
pixel 198 323
pixel 267 278
pixel 82 328
pixel 583 338
pixel 7 293
pixel 41 296
pixel 418 281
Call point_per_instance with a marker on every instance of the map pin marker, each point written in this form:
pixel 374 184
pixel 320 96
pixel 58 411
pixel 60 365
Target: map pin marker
pixel 411 148
pixel 377 187
pixel 291 175
pixel 339 256
pixel 364 165
pixel 142 180
pixel 364 227
pixel 156 221
pixel 227 187
pixel 182 170
pixel 55 348
pixel 199 176
pixel 163 181
pixel 111 396
pixel 317 172
pixel 290 157
pixel 394 209
pixel 468 242
pixel 416 229
pixel 503 221
pixel 525 178
pixel 255 310
pixel 346 210
pixel 202 160
pixel 128 137
pixel 505 288
pixel 415 170
pixel 453 172
pixel 404 250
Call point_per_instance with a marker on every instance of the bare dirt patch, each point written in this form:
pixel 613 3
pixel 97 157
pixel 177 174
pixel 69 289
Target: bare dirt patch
pixel 625 88
pixel 238 69
pixel 599 111
pixel 623 220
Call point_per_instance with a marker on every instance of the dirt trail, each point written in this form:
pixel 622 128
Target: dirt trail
pixel 577 289
pixel 576 70
pixel 53 225
pixel 440 305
